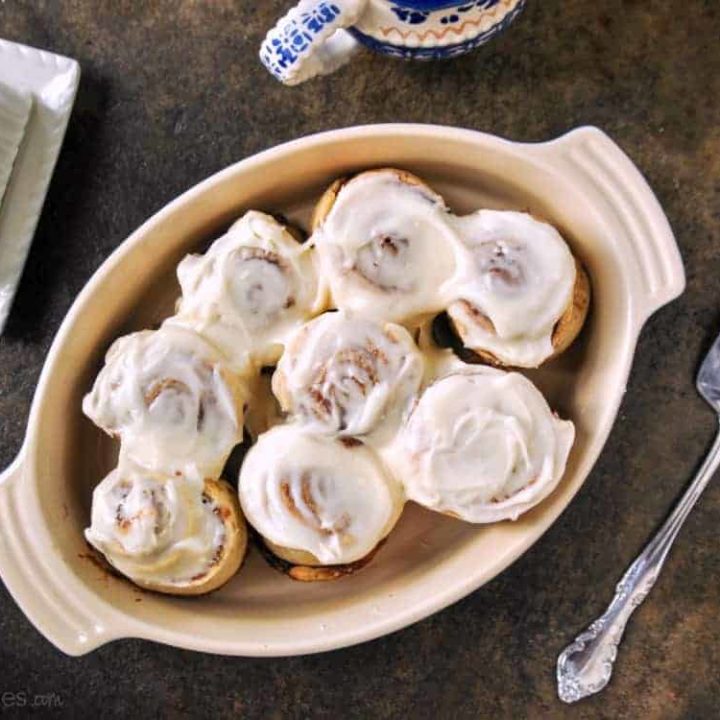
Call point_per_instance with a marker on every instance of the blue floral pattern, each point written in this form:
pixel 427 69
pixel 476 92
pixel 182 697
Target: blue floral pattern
pixel 418 17
pixel 412 17
pixel 282 49
pixel 441 52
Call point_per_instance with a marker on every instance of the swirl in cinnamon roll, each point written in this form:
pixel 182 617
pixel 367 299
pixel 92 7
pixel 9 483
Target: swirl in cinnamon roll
pixel 522 297
pixel 170 398
pixel 317 501
pixel 481 444
pixel 252 287
pixel 348 375
pixel 386 246
pixel 170 534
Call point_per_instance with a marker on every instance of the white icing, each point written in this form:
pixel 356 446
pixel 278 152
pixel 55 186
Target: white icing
pixel 348 375
pixel 169 397
pixel 154 528
pixel 314 494
pixel 249 290
pixel 518 273
pixel 386 248
pixel 481 444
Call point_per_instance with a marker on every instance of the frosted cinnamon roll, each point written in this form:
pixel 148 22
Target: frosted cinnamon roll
pixel 348 375
pixel 386 246
pixel 482 445
pixel 522 296
pixel 252 288
pixel 322 505
pixel 170 398
pixel 170 534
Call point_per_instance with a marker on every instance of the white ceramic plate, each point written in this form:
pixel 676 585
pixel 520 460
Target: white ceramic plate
pixel 52 80
pixel 582 182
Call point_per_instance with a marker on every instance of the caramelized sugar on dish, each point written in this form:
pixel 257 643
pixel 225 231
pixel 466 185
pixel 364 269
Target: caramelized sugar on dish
pixel 171 399
pixel 519 280
pixel 363 411
pixel 250 290
pixel 382 239
pixel 317 500
pixel 481 444
pixel 171 534
pixel 348 375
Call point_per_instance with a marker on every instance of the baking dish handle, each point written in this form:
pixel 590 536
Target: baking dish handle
pixel 653 260
pixel 52 605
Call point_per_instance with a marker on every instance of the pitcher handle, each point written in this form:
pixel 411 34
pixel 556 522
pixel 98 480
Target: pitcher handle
pixel 310 40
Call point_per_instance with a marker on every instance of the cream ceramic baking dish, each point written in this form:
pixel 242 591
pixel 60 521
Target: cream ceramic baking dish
pixel 582 182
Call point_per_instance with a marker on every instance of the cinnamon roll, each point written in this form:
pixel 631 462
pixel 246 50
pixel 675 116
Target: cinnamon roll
pixel 386 246
pixel 522 297
pixel 346 375
pixel 322 505
pixel 170 398
pixel 174 535
pixel 250 290
pixel 481 444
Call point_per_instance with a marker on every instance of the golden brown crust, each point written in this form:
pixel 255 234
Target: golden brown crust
pixel 231 555
pixel 325 204
pixel 328 198
pixel 280 390
pixel 311 573
pixel 566 329
pixel 573 319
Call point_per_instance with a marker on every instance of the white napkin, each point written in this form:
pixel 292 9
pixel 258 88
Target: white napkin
pixel 15 106
pixel 37 91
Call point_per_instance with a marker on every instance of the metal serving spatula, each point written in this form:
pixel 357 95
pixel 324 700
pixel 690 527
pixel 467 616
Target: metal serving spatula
pixel 586 665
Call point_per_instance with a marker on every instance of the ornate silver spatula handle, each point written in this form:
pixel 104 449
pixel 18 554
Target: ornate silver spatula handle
pixel 586 665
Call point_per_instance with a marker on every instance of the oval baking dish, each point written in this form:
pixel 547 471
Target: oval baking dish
pixel 582 182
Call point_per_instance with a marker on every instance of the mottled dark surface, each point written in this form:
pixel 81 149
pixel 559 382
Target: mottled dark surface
pixel 171 92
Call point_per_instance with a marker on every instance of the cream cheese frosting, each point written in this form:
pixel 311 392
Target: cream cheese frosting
pixel 515 283
pixel 250 290
pixel 319 495
pixel 170 398
pixel 481 444
pixel 348 375
pixel 386 248
pixel 156 529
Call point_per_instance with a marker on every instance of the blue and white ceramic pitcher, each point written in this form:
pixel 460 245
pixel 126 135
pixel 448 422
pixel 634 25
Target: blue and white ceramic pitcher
pixel 318 36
